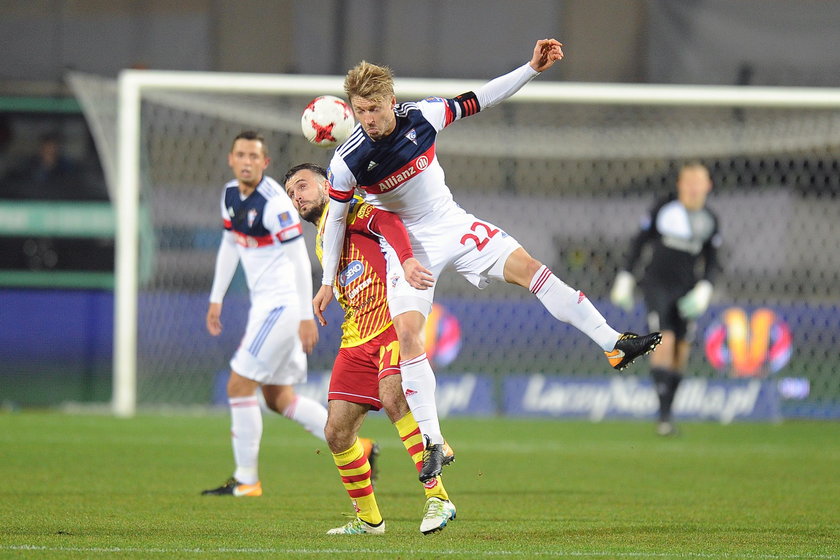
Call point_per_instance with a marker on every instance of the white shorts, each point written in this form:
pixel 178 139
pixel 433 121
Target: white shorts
pixel 475 248
pixel 271 352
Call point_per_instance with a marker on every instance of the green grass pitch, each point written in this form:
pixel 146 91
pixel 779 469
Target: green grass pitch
pixel 88 486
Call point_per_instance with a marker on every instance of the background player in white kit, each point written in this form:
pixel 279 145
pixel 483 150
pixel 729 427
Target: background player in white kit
pixel 263 231
pixel 391 156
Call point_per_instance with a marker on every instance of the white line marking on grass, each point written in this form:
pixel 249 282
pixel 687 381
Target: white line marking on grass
pixel 416 552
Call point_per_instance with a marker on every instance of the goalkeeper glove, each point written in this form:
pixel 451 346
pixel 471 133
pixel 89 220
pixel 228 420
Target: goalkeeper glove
pixel 622 291
pixel 696 301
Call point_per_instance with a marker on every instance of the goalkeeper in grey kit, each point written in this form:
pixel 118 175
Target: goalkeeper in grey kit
pixel 677 283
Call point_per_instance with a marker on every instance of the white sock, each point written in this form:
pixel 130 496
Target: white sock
pixel 245 433
pixel 418 383
pixel 573 307
pixel 309 414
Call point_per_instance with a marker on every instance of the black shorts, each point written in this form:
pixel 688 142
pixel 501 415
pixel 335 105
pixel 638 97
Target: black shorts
pixel 661 302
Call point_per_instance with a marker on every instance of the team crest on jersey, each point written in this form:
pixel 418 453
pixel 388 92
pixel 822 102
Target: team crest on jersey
pixel 412 136
pixel 285 219
pixel 252 217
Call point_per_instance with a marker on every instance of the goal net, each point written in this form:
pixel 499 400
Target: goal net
pixel 567 169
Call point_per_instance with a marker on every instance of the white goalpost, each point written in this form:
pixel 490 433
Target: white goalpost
pixel 190 92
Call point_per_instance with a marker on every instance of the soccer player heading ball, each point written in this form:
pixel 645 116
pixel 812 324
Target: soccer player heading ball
pixel 390 156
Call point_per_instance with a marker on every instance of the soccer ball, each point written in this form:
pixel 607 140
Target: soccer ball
pixel 327 121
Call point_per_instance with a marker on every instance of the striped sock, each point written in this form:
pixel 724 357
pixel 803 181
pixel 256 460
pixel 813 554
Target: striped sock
pixel 573 307
pixel 355 473
pixel 413 441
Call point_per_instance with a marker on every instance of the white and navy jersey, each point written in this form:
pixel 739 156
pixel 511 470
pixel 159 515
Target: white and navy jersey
pixel 682 241
pixel 400 173
pixel 261 224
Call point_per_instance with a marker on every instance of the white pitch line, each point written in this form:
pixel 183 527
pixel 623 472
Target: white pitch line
pixel 381 552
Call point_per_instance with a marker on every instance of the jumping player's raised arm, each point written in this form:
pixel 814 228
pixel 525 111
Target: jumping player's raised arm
pixel 546 52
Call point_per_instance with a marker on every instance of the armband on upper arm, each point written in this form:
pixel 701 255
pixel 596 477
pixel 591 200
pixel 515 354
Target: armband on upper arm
pixel 468 103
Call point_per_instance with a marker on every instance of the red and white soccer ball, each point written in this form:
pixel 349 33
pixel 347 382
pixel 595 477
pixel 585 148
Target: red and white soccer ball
pixel 327 121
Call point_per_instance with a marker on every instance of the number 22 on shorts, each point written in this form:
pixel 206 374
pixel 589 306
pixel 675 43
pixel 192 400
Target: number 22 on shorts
pixel 480 242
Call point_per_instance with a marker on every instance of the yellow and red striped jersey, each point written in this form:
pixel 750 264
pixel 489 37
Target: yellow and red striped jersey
pixel 359 285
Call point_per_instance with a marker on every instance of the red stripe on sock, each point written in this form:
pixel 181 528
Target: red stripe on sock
pixel 366 491
pixel 415 449
pixel 355 464
pixel 253 402
pixel 414 433
pixel 413 361
pixel 356 477
pixel 544 276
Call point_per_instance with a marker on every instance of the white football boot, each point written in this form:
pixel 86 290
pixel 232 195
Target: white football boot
pixel 436 515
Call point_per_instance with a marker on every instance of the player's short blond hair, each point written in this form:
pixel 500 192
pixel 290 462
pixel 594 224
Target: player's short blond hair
pixel 369 81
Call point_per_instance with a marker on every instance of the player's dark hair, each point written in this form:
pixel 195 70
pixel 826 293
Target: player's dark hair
pixel 251 135
pixel 313 167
